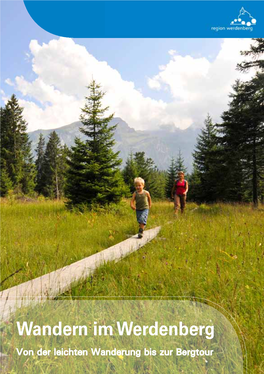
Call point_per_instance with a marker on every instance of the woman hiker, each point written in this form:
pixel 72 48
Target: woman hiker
pixel 179 192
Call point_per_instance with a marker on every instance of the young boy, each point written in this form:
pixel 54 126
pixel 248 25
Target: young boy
pixel 143 204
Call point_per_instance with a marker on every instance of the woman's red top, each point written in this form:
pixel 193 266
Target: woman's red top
pixel 180 187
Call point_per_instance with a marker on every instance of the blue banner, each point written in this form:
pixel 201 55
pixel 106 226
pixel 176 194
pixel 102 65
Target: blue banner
pixel 149 19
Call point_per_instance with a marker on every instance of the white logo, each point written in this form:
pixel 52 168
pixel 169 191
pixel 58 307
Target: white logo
pixel 244 18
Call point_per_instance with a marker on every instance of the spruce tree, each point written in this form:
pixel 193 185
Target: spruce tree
pixel 146 170
pixel 130 172
pixel 5 181
pixel 155 180
pixel 63 167
pixel 16 147
pixel 53 175
pixel 206 162
pixel 195 192
pixel 40 151
pixel 93 176
pixel 233 177
pixel 143 168
pixel 255 51
pixel 170 179
pixel 252 101
pixel 160 182
pixel 179 164
pixel 243 135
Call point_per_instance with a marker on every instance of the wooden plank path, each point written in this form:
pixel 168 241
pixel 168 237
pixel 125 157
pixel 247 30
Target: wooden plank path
pixel 59 281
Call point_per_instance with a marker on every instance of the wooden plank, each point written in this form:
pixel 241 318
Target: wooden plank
pixel 61 280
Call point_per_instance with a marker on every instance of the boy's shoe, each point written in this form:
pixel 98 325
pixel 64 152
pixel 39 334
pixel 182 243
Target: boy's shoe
pixel 140 233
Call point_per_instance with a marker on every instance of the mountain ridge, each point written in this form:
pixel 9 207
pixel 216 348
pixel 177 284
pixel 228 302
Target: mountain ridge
pixel 161 145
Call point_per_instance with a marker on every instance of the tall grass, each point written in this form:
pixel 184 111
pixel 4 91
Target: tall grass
pixel 212 252
pixel 37 238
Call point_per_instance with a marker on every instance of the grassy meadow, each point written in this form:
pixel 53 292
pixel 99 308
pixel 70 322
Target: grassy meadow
pixel 212 252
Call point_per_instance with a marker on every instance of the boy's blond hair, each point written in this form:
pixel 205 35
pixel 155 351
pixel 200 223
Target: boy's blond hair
pixel 139 180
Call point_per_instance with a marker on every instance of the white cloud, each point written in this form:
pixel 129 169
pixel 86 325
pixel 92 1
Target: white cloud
pixel 199 86
pixel 9 82
pixel 4 97
pixel 172 52
pixel 64 69
pixel 154 84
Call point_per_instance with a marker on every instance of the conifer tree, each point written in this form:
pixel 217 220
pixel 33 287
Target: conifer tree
pixel 243 135
pixel 16 148
pixel 63 167
pixel 40 181
pixel 195 192
pixel 252 100
pixel 160 182
pixel 143 167
pixel 146 170
pixel 170 179
pixel 5 181
pixel 93 176
pixel 53 177
pixel 206 162
pixel 179 164
pixel 255 51
pixel 130 172
pixel 155 180
pixel 230 141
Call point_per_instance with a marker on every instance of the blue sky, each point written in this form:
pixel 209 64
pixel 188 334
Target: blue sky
pixel 154 67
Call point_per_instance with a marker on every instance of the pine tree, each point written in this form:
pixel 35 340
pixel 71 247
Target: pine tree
pixel 63 167
pixel 256 52
pixel 138 165
pixel 54 169
pixel 6 183
pixel 160 181
pixel 146 170
pixel 243 136
pixel 170 179
pixel 230 131
pixel 40 182
pixel 179 164
pixel 143 168
pixel 93 176
pixel 195 191
pixel 16 147
pixel 130 172
pixel 206 162
pixel 253 104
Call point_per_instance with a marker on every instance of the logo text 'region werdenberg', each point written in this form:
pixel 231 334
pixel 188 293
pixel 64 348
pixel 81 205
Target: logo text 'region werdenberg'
pixel 244 22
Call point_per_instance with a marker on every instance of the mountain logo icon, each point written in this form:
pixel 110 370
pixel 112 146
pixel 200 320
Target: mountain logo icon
pixel 244 18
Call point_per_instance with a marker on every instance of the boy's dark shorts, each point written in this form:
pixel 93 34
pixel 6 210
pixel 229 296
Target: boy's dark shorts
pixel 142 216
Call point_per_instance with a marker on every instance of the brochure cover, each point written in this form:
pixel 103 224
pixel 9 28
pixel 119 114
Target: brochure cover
pixel 132 186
